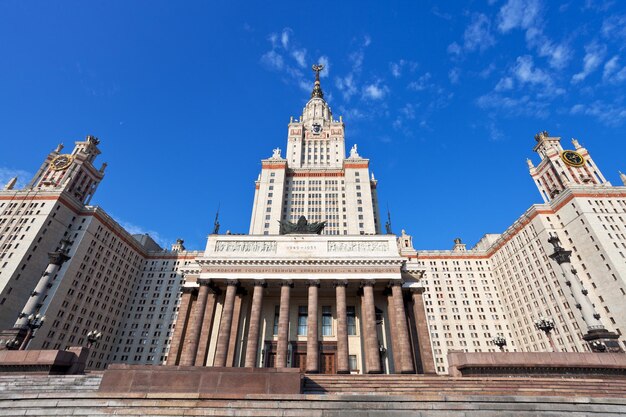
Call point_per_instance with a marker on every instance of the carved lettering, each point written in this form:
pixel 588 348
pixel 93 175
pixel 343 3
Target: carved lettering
pixel 245 246
pixel 356 246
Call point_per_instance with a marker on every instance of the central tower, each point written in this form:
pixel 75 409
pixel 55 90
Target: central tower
pixel 315 179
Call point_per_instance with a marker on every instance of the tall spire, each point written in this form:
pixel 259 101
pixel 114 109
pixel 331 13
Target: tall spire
pixel 317 88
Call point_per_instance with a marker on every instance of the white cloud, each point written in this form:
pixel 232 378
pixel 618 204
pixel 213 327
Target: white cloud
pixel 453 75
pixel 609 114
pixel 300 56
pixel 273 38
pixel 352 113
pixel 495 134
pixel 525 72
pixel 284 38
pixel 408 111
pixel 612 71
pixel 290 59
pixel 375 91
pixel 421 83
pixel 614 27
pixel 395 68
pixel 522 105
pixel 346 86
pixel 594 54
pixel 558 54
pixel 134 229
pixel 326 63
pixel 478 34
pixel 23 177
pixel 521 14
pixel 357 58
pixel 273 60
pixel 504 84
pixel 454 48
pixel 398 68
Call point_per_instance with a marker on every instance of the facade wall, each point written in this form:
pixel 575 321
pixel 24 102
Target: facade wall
pixel 518 282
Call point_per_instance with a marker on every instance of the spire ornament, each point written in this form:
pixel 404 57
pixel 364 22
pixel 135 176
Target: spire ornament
pixel 317 88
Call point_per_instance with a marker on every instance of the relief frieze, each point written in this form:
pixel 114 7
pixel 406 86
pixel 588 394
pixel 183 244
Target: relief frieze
pixel 301 269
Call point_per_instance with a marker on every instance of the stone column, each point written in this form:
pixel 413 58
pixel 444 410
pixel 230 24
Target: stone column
pixel 343 365
pixel 423 333
pixel 207 326
pixel 578 292
pixel 283 325
pixel 312 346
pixel 395 349
pixel 55 261
pixel 402 330
pixel 194 325
pixel 233 341
pixel 372 355
pixel 181 322
pixel 255 320
pixel 597 336
pixel 223 336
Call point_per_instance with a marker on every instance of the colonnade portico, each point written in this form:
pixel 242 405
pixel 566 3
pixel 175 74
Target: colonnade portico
pixel 321 315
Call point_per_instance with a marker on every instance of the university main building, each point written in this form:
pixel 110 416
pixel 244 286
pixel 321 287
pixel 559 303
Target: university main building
pixel 317 284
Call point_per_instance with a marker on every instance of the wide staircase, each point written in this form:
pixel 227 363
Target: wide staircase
pixel 328 396
pixel 421 385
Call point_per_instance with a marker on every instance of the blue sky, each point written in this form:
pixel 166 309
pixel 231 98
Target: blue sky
pixel 188 97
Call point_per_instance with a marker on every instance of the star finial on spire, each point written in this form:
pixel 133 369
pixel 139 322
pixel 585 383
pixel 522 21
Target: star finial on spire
pixel 317 88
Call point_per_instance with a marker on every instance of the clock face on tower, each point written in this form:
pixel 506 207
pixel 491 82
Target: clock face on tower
pixel 317 128
pixel 572 158
pixel 61 162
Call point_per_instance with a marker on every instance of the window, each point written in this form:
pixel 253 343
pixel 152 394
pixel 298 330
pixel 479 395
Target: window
pixel 352 362
pixel 276 314
pixel 303 314
pixel 327 321
pixel 351 319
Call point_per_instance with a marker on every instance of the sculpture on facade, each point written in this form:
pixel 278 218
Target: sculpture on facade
pixel 353 152
pixel 301 227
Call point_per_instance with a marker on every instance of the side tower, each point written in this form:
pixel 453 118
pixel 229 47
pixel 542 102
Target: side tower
pixel 73 173
pixel 36 220
pixel 315 179
pixel 560 168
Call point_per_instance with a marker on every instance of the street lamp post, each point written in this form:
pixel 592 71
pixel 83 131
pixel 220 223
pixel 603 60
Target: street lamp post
pixel 93 337
pixel 33 322
pixel 13 344
pixel 500 341
pixel 546 325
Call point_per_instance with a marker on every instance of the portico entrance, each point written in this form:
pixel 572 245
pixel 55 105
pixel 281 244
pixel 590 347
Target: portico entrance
pixel 319 304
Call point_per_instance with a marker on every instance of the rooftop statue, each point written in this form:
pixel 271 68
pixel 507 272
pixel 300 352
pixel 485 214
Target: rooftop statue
pixel 301 227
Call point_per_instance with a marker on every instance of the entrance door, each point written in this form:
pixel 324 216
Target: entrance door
pixel 299 361
pixel 271 360
pixel 328 363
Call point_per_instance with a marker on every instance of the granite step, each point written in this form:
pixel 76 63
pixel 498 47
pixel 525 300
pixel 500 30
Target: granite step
pixel 47 383
pixel 406 384
pixel 314 406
